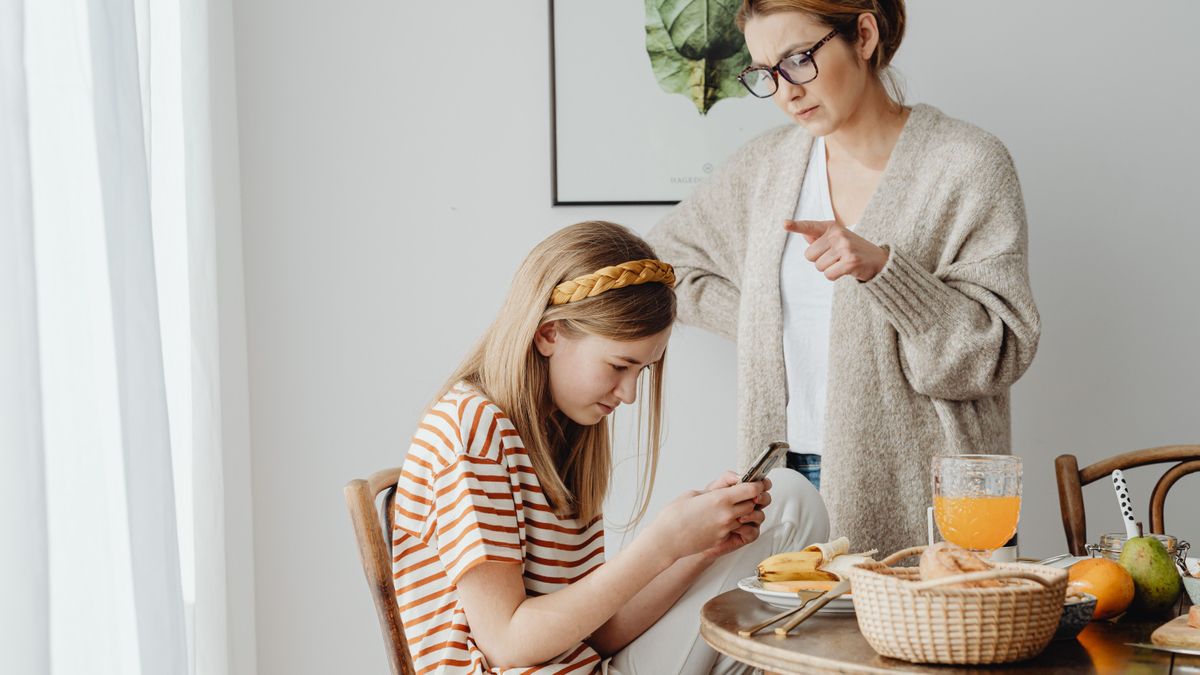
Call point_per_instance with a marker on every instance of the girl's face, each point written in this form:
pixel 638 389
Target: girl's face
pixel 843 77
pixel 589 375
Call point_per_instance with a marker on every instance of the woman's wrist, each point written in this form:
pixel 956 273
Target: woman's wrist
pixel 880 260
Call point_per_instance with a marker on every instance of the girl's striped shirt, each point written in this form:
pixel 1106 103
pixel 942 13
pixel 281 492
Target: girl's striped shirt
pixel 468 494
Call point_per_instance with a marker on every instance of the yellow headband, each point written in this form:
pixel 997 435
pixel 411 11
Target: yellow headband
pixel 618 276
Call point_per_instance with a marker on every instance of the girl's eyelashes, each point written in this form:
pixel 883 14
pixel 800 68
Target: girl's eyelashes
pixel 620 368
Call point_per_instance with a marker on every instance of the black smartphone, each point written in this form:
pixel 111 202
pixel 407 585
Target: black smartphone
pixel 768 459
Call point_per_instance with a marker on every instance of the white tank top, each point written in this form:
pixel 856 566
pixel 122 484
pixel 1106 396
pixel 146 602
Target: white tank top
pixel 807 298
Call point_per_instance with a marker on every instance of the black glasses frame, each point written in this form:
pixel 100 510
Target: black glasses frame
pixel 775 71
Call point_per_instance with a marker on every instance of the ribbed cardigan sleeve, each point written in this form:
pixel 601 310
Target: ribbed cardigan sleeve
pixel 969 329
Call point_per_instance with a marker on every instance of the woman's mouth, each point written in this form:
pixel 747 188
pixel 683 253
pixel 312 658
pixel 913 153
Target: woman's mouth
pixel 805 113
pixel 606 408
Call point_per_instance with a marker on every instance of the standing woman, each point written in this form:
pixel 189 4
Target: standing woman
pixel 870 262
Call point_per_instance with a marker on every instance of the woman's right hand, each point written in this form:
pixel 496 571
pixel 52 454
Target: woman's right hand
pixel 714 522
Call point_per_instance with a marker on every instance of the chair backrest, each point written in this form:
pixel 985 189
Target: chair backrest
pixel 1071 480
pixel 374 533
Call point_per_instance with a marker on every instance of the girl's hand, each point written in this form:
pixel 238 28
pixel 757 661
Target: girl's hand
pixel 714 522
pixel 837 251
pixel 724 480
pixel 748 531
pixel 730 478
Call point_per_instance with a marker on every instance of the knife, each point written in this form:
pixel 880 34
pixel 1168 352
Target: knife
pixel 1161 648
pixel 836 592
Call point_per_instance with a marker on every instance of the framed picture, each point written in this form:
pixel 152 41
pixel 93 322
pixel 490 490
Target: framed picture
pixel 645 98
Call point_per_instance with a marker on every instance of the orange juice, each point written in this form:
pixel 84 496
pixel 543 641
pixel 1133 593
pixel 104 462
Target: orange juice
pixel 980 523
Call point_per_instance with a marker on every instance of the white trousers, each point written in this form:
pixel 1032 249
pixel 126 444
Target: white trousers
pixel 795 518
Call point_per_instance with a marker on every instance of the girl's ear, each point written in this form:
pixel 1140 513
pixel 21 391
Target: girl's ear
pixel 546 338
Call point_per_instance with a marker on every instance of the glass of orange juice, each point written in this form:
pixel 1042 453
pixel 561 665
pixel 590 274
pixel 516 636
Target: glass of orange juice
pixel 977 499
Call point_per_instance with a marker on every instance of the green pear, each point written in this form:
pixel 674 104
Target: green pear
pixel 1156 582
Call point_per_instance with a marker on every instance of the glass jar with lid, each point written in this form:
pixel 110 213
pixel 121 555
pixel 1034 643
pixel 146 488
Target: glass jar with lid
pixel 1111 544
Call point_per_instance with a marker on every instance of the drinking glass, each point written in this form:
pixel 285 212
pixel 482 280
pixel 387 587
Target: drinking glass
pixel 977 500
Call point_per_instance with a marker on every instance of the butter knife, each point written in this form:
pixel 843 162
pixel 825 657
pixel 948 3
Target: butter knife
pixel 805 598
pixel 836 592
pixel 1162 648
pixel 1053 559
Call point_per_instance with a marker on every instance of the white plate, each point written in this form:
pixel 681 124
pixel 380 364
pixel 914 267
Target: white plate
pixel 785 600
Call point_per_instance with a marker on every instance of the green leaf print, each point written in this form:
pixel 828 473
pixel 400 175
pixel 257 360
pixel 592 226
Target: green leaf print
pixel 696 49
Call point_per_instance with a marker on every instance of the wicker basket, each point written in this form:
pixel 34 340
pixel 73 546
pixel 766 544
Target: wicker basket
pixel 926 622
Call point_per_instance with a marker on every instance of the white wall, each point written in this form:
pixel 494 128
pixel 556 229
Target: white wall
pixel 390 183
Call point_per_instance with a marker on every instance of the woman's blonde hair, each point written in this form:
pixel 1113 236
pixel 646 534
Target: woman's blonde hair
pixel 842 15
pixel 573 462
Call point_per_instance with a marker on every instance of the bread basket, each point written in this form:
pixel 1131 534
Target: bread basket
pixel 928 622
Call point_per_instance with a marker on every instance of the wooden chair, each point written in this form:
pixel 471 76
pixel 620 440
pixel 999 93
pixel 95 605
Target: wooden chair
pixel 373 530
pixel 1071 480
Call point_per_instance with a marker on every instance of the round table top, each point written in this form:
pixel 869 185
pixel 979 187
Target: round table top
pixel 832 643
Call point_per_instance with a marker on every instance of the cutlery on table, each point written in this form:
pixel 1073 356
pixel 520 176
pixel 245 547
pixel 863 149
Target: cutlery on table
pixel 841 589
pixel 805 598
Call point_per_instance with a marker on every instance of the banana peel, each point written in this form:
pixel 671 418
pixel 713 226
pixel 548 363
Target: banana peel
pixel 832 549
pixel 842 564
pixel 817 564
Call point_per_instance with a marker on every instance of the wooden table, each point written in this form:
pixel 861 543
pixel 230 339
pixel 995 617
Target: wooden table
pixel 832 643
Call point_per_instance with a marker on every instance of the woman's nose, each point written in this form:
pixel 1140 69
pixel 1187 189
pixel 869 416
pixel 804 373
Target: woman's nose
pixel 787 91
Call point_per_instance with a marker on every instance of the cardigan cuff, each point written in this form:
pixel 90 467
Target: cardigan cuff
pixel 913 299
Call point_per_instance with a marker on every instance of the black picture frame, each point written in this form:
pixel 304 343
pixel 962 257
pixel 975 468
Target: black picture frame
pixel 706 138
pixel 554 195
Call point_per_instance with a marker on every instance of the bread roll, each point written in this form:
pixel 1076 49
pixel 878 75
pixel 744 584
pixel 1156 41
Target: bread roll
pixel 944 559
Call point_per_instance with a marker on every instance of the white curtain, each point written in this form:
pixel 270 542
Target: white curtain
pixel 111 498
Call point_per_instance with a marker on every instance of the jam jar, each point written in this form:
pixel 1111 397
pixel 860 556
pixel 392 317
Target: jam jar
pixel 1111 544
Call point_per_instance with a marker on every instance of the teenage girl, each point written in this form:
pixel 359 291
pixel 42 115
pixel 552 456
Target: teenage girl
pixel 499 540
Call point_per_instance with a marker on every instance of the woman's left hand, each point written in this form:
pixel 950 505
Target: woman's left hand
pixel 837 251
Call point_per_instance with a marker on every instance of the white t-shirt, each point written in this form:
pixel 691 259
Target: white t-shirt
pixel 807 298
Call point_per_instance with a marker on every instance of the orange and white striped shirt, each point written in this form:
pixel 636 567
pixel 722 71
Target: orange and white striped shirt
pixel 468 494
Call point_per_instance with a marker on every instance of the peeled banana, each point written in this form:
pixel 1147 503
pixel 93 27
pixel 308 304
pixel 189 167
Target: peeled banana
pixel 793 586
pixel 794 566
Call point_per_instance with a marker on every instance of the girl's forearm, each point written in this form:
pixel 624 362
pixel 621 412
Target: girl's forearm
pixel 649 605
pixel 545 626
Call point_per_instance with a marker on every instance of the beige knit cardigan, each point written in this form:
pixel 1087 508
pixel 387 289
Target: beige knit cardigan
pixel 921 357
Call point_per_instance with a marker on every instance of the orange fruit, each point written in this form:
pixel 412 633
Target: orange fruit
pixel 1105 579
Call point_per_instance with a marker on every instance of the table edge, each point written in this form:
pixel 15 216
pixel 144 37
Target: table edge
pixel 739 648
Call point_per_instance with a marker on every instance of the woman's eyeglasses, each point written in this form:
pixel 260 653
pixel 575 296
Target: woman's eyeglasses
pixel 798 68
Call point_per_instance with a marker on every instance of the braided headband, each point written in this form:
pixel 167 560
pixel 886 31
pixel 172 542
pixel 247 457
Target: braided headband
pixel 629 273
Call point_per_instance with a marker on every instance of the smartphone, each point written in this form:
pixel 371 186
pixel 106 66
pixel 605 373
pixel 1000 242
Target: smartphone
pixel 768 459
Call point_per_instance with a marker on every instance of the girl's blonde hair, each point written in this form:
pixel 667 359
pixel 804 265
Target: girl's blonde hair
pixel 573 462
